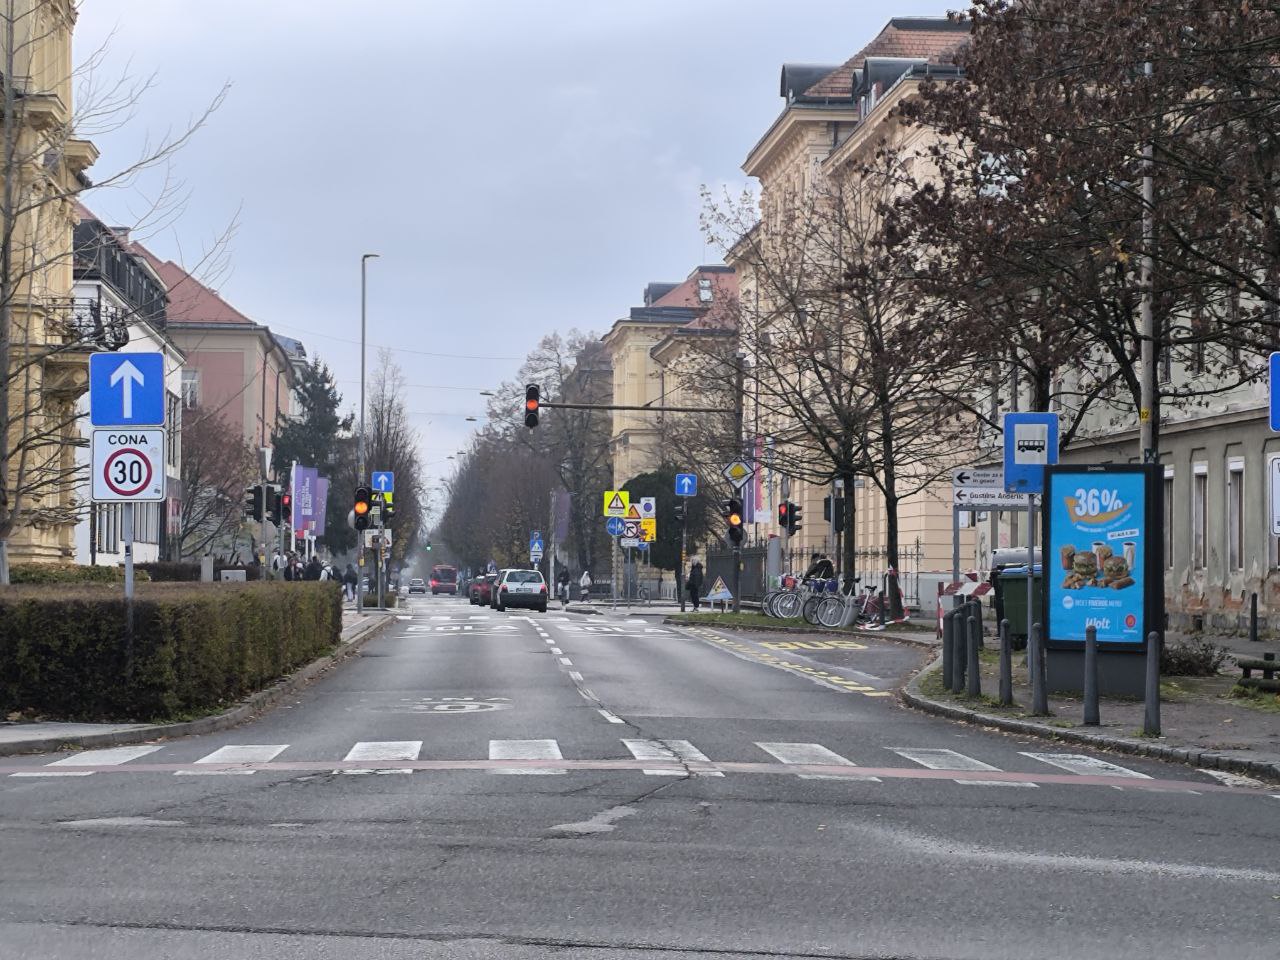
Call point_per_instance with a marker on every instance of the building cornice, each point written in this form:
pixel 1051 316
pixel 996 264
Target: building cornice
pixel 782 129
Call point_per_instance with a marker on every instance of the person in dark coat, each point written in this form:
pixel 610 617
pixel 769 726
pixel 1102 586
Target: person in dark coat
pixel 312 570
pixel 695 584
pixel 349 581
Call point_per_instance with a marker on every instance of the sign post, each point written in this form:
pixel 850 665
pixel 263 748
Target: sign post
pixel 126 390
pixel 1030 445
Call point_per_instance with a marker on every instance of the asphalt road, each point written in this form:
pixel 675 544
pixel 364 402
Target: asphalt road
pixel 522 785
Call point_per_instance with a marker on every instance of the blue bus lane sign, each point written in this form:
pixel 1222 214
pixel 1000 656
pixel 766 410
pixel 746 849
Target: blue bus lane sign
pixel 1097 566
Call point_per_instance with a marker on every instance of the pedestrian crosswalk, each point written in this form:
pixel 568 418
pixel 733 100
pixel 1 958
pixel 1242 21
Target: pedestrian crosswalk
pixel 544 757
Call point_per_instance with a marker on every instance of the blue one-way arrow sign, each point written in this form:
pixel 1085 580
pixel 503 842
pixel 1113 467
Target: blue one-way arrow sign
pixel 126 389
pixel 384 481
pixel 686 484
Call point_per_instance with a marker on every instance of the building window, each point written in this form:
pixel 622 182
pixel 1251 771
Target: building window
pixel 190 389
pixel 1199 504
pixel 704 291
pixel 1169 519
pixel 1235 515
pixel 173 420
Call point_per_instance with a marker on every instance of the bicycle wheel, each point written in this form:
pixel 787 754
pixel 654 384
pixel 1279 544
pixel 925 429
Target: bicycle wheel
pixel 787 606
pixel 810 611
pixel 642 596
pixel 766 604
pixel 831 611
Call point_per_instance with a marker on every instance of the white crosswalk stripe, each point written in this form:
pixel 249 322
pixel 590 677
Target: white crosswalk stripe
pixel 811 753
pixel 1086 766
pixel 670 751
pixel 941 759
pixel 109 757
pixel 526 750
pixel 237 753
pixel 374 750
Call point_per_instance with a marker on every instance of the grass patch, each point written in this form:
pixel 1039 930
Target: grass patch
pixel 1258 700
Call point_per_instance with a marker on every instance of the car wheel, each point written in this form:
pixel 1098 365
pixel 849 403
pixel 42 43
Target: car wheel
pixel 501 607
pixel 542 609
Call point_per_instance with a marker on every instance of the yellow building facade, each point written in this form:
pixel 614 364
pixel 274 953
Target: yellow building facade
pixel 46 338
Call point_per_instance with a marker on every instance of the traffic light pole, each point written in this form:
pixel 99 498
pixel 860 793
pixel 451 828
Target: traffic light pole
pixel 684 549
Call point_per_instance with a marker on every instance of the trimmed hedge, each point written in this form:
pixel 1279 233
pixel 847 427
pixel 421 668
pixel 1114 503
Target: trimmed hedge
pixel 67 573
pixel 183 571
pixel 196 647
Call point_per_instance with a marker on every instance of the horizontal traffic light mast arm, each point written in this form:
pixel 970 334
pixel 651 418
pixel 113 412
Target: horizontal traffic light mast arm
pixel 612 406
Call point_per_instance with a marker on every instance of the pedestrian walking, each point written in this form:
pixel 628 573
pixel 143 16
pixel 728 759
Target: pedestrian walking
pixel 585 585
pixel 562 586
pixel 349 581
pixel 695 584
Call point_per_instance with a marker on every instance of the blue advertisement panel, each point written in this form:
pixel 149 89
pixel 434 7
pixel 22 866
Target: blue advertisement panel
pixel 1098 570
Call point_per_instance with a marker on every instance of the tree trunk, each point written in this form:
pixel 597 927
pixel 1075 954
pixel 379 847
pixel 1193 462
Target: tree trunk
pixel 893 593
pixel 848 559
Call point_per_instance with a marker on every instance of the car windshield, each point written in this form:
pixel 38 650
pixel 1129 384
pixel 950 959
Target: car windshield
pixel 524 576
pixel 417 580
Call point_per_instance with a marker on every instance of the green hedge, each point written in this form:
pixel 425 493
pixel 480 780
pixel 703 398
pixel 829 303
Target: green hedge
pixel 196 647
pixel 184 571
pixel 66 573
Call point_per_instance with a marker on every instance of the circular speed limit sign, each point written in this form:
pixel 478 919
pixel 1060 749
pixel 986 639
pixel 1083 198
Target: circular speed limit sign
pixel 127 472
pixel 128 464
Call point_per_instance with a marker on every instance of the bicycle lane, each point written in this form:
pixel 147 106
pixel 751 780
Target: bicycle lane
pixel 869 665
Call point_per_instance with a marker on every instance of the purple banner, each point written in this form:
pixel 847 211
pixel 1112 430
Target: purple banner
pixel 563 502
pixel 305 481
pixel 322 505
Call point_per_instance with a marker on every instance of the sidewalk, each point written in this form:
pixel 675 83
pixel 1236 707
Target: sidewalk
pixel 44 737
pixel 1201 724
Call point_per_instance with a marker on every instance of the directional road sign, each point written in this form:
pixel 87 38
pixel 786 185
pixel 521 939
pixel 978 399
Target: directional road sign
pixel 615 526
pixel 738 473
pixel 982 488
pixel 384 481
pixel 616 503
pixel 127 465
pixel 686 484
pixel 126 389
pixel 1274 389
pixel 1030 444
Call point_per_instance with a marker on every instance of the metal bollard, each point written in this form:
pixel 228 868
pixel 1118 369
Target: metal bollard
pixel 1091 717
pixel 1151 717
pixel 959 647
pixel 977 613
pixel 1253 617
pixel 948 655
pixel 975 675
pixel 1006 665
pixel 1036 658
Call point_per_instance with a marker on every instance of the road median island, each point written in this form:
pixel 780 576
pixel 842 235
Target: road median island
pixel 65 651
pixel 1201 726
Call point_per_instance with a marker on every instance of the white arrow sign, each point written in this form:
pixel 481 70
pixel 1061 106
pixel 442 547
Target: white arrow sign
pixel 987 498
pixel 130 375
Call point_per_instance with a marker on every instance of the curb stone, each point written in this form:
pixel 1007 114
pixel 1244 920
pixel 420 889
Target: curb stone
pixel 911 696
pixel 253 706
pixel 895 637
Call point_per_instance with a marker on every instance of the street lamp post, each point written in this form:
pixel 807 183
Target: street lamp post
pixel 360 471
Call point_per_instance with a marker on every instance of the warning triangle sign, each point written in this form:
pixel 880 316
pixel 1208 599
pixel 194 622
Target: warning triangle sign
pixel 633 513
pixel 719 591
pixel 616 503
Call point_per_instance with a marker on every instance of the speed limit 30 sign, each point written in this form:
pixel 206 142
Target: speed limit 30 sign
pixel 128 465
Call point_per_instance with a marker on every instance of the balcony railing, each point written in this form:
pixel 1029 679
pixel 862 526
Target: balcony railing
pixel 88 322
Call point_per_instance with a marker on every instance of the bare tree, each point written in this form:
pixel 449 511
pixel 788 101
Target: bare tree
pixel 217 465
pixel 43 338
pixel 392 444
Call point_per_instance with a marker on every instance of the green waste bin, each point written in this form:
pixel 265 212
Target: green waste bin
pixel 1012 586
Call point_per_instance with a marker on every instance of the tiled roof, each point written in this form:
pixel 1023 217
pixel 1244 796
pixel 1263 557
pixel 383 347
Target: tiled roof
pixel 933 39
pixel 190 301
pixel 724 283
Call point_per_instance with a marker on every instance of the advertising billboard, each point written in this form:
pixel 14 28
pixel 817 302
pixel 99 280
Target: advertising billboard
pixel 1102 554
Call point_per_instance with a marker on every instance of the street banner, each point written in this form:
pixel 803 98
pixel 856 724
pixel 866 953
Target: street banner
pixel 303 484
pixel 319 515
pixel 1103 554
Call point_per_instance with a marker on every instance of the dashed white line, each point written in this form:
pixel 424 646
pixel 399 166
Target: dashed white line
pixel 575 676
pixel 566 661
pixel 237 753
pixel 557 651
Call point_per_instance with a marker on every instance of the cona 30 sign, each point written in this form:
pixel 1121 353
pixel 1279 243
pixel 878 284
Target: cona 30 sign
pixel 128 465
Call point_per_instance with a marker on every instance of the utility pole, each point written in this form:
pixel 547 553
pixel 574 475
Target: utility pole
pixel 739 382
pixel 360 472
pixel 1148 414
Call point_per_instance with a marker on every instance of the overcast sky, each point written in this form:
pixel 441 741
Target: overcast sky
pixel 521 166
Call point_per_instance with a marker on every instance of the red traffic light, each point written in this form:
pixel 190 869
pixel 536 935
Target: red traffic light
pixel 532 402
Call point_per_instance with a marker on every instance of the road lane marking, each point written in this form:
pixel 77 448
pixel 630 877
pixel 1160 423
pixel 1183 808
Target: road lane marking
pixel 566 661
pixel 1079 763
pixel 557 651
pixel 526 750
pixel 110 757
pixel 669 750
pixel 576 677
pixel 938 759
pixel 810 753
pixel 371 750
pixel 609 716
pixel 237 753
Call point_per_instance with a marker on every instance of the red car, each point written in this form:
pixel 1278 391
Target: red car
pixel 444 579
pixel 482 589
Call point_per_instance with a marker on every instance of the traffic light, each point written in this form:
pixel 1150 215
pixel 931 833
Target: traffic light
pixel 286 506
pixel 826 511
pixel 428 546
pixel 784 515
pixel 792 511
pixel 681 514
pixel 273 503
pixel 733 514
pixel 388 510
pixel 361 507
pixel 253 503
pixel 532 401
